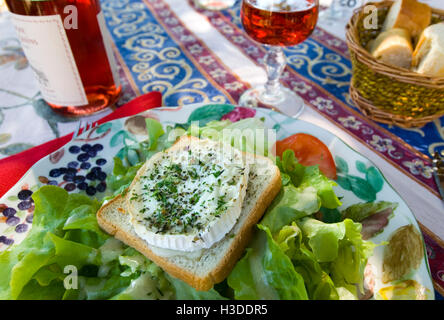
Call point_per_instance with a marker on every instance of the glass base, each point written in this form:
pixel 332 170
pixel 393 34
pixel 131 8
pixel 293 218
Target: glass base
pixel 286 101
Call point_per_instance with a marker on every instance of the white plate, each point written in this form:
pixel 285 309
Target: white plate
pixel 111 138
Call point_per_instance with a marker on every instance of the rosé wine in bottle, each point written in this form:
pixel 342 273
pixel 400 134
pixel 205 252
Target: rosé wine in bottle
pixel 68 47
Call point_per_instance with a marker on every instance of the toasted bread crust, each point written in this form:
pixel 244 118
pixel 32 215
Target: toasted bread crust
pixel 223 269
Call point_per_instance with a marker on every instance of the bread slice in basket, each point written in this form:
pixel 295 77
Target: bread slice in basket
pixel 428 57
pixel 205 267
pixel 412 15
pixel 393 47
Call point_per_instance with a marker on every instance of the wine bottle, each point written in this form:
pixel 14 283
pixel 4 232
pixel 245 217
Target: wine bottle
pixel 69 49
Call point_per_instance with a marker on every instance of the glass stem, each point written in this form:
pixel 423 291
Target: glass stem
pixel 274 64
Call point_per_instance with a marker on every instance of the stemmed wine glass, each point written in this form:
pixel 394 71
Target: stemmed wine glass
pixel 277 24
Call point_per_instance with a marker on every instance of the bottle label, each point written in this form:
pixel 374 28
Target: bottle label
pixel 108 48
pixel 49 53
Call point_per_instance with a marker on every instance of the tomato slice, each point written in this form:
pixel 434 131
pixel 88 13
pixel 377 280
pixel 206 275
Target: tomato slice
pixel 309 151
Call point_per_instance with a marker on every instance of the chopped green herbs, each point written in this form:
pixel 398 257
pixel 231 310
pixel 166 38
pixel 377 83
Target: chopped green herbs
pixel 182 196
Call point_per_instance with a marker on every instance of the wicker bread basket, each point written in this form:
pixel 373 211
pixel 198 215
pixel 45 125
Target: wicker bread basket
pixel 386 93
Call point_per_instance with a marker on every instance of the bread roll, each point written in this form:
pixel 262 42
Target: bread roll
pixel 428 57
pixel 411 15
pixel 393 47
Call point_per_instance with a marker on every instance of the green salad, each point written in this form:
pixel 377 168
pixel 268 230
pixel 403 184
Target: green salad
pixel 303 248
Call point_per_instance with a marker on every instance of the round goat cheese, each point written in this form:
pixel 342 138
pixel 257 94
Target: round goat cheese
pixel 190 196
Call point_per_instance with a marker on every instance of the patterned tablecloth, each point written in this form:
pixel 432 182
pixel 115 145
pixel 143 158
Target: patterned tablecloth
pixel 192 55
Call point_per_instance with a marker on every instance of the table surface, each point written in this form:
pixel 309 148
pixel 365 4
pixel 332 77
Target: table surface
pixel 192 55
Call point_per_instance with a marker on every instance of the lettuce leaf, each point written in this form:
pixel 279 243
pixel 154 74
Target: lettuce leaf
pixel 84 218
pixel 72 253
pixel 122 177
pixel 305 190
pixel 290 204
pixel 266 272
pixel 155 130
pixel 323 238
pixel 280 272
pixel 185 292
pixel 242 280
pixel 341 247
pixel 65 232
pixel 304 177
pixel 18 264
pixel 247 277
pixel 305 259
pixel 34 291
pixel 318 283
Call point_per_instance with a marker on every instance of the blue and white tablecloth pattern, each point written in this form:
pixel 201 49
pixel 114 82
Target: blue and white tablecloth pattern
pixel 193 55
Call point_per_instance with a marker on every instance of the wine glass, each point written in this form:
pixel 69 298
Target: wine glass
pixel 277 24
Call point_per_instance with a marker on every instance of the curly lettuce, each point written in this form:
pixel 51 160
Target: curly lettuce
pixel 307 259
pixel 293 255
pixel 65 233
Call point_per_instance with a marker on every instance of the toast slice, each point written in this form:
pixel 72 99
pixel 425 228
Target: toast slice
pixel 203 268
